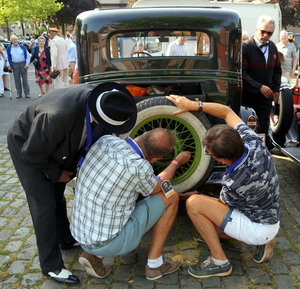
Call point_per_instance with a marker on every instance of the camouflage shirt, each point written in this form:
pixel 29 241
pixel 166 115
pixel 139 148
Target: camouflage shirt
pixel 250 185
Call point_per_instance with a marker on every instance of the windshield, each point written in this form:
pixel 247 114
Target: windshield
pixel 160 43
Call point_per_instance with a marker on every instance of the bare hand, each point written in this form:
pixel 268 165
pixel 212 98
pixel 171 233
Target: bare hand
pixel 25 67
pixel 184 157
pixel 276 96
pixel 65 176
pixel 266 91
pixel 183 104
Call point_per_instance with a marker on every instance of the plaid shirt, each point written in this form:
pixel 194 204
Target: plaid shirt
pixel 252 186
pixel 108 184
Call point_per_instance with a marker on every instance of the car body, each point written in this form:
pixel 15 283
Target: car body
pixel 107 43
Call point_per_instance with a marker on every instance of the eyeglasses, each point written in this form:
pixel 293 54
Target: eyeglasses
pixel 207 153
pixel 262 32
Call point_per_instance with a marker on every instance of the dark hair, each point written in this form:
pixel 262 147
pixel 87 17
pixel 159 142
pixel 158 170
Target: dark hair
pixel 158 142
pixel 224 142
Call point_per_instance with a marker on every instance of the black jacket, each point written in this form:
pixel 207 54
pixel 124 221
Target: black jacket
pixel 35 55
pixel 256 72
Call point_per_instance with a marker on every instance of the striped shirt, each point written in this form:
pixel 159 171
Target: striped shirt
pixel 252 186
pixel 289 53
pixel 108 184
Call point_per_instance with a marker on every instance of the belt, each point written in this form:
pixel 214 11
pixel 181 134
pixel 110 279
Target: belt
pixel 99 244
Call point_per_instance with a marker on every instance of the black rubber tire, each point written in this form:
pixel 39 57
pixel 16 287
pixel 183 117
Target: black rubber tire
pixel 281 117
pixel 190 128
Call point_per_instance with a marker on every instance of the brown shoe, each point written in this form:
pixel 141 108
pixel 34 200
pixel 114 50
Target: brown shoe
pixel 27 96
pixel 18 96
pixel 169 266
pixel 264 252
pixel 93 265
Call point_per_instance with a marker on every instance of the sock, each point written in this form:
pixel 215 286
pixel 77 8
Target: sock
pixel 101 257
pixel 219 262
pixel 154 263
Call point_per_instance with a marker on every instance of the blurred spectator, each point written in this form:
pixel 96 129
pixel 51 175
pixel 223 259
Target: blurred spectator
pixel 289 65
pixel 5 73
pixel 18 60
pixel 178 47
pixel 59 59
pixel 42 68
pixel 245 36
pixel 32 44
pixel 72 56
pixel 45 34
pixel 1 71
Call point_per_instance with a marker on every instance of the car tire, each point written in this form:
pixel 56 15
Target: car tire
pixel 281 116
pixel 189 129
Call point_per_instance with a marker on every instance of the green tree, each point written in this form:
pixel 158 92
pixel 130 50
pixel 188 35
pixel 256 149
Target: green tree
pixel 26 11
pixel 290 13
pixel 71 9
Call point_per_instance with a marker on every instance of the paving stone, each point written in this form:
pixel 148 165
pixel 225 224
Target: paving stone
pixel 50 284
pixel 18 203
pixel 13 246
pixel 3 260
pixel 291 257
pixel 9 282
pixel 31 279
pixel 123 272
pixel 3 204
pixel 129 258
pixel 9 212
pixel 235 282
pixel 119 286
pixel 295 234
pixel 5 234
pixel 21 233
pixel 27 221
pixel 212 282
pixel 35 263
pixel 284 281
pixel 13 223
pixel 258 276
pixel 142 282
pixel 28 252
pixel 17 267
pixel 296 270
pixel 31 240
pixel 278 267
pixel 283 243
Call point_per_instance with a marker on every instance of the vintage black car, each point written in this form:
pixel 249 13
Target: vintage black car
pixel 133 47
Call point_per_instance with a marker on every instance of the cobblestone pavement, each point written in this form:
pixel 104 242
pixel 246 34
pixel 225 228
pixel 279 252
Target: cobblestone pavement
pixel 20 266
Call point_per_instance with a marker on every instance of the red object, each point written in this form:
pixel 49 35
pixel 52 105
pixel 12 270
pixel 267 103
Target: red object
pixel 136 90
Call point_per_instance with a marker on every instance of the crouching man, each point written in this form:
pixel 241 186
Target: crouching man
pixel 247 209
pixel 107 220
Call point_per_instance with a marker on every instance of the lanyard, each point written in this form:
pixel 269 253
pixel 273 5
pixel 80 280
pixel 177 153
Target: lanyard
pixel 135 146
pixel 90 133
pixel 236 163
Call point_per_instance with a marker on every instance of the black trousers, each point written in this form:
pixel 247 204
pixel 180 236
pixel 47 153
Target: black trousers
pixel 48 210
pixel 51 229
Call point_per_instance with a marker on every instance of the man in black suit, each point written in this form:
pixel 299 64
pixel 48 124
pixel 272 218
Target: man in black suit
pixel 48 142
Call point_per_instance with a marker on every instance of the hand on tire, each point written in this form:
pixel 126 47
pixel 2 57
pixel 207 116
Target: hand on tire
pixel 184 157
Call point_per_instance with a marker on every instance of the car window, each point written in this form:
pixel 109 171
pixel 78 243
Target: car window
pixel 160 43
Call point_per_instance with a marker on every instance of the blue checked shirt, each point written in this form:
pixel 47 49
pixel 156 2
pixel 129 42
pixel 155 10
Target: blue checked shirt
pixel 252 186
pixel 108 184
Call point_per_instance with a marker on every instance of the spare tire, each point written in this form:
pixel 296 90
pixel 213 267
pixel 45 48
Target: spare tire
pixel 282 113
pixel 189 129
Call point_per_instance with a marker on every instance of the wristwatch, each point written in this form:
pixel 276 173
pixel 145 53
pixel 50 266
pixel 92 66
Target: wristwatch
pixel 200 105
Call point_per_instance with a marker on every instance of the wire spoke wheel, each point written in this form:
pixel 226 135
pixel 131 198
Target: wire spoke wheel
pixel 189 129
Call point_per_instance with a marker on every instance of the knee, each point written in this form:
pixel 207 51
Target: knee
pixel 193 204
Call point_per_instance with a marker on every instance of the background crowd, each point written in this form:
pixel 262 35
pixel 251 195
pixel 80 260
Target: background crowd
pixel 48 52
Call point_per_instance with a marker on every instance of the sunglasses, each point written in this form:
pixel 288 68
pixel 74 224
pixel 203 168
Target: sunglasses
pixel 262 32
